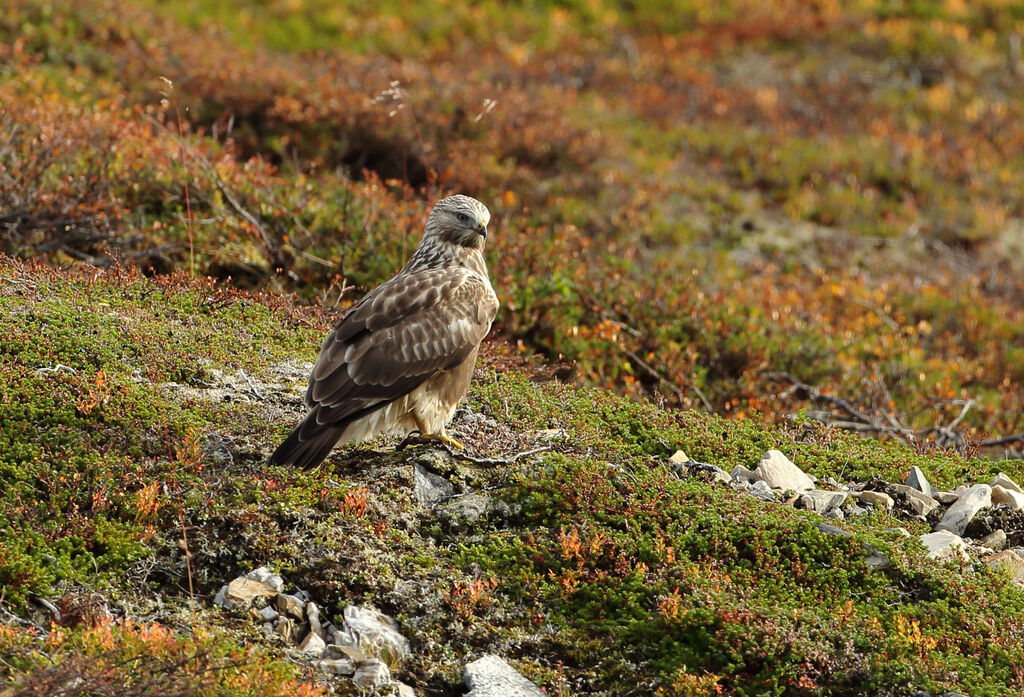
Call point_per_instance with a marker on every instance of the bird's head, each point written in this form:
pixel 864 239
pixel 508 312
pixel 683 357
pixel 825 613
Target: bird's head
pixel 459 220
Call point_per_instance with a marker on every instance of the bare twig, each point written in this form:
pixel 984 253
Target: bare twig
pixel 510 459
pixel 654 373
pixel 1002 440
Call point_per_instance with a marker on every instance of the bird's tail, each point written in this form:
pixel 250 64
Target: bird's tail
pixel 309 443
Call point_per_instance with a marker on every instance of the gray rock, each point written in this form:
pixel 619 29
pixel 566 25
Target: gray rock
pixel 743 474
pixel 1004 481
pixel 491 676
pixel 372 673
pixel 313 645
pixel 1001 496
pixel 821 501
pixel 378 634
pixel 835 514
pixel 405 690
pixel 290 605
pixel 854 511
pixel 267 614
pixel 429 488
pixel 995 541
pixel 709 473
pixel 780 473
pixel 336 666
pixel 944 545
pixel 922 504
pixel 945 497
pixel 960 513
pixel 761 490
pixel 877 499
pixel 918 481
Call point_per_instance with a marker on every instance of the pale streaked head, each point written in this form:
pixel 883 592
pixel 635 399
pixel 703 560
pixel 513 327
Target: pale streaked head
pixel 459 220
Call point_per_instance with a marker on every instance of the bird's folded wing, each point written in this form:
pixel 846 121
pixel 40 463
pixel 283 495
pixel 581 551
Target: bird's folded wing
pixel 399 335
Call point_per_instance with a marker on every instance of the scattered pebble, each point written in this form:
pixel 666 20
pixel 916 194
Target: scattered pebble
pixel 780 473
pixel 491 676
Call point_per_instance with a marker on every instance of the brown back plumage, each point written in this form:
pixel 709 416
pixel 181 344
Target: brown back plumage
pixel 385 365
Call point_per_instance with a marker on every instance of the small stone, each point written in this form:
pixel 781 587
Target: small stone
pixel 878 499
pixel 822 501
pixel 944 545
pixel 267 613
pixel 967 506
pixel 286 629
pixel 377 633
pixel 491 676
pixel 918 481
pixel 1004 481
pixel 336 666
pixel 743 474
pixel 241 592
pixel 268 630
pixel 405 690
pixel 835 514
pixel 290 605
pixel 780 473
pixel 945 497
pixel 761 490
pixel 371 673
pixel 995 540
pixel 875 560
pixel 1011 562
pixel 429 488
pixel 313 615
pixel 549 434
pixel 922 504
pixel 313 645
pixel 678 457
pixel 854 511
pixel 1001 496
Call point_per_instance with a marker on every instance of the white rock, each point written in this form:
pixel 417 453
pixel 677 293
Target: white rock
pixel 1007 497
pixel 918 481
pixel 1004 481
pixel 780 473
pixel 405 690
pixel 372 672
pixel 313 645
pixel 491 676
pixel 945 497
pixel 1010 562
pixel 944 545
pixel 822 501
pixel 679 456
pixel 743 474
pixel 967 506
pixel 290 605
pixel 429 488
pixel 921 503
pixel 878 499
pixel 336 666
pixel 377 633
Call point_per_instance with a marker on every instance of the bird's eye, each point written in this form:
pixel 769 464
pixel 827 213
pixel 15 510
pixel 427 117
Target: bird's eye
pixel 463 218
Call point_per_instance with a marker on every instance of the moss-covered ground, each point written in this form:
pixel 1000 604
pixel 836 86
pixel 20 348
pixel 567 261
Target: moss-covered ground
pixel 135 418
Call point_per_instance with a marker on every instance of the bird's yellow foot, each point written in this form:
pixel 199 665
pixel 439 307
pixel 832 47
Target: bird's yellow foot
pixel 425 438
pixel 444 438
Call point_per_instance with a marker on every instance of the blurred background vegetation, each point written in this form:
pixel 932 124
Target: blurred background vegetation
pixel 722 205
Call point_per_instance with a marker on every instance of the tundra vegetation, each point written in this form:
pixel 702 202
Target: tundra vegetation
pixel 717 227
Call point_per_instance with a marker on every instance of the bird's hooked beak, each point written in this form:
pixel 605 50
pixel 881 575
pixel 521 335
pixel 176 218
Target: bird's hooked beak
pixel 482 229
